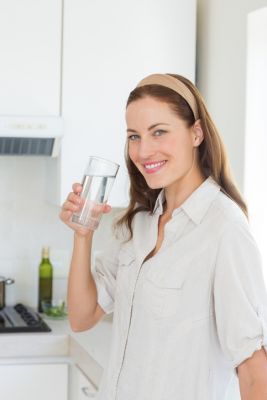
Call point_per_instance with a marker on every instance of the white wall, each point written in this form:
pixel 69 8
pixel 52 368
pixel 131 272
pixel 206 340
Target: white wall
pixel 221 70
pixel 28 222
pixel 255 183
pixel 231 74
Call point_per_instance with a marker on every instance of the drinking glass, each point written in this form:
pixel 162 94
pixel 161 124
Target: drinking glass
pixel 97 182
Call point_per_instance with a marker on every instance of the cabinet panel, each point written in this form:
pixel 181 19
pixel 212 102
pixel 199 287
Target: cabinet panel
pixel 108 48
pixel 30 47
pixel 34 381
pixel 82 387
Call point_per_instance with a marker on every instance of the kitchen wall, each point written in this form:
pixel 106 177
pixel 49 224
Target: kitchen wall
pixel 222 50
pixel 27 222
pixel 221 70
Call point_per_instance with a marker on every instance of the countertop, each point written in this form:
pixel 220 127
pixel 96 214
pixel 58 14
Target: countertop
pixel 89 349
pixel 95 341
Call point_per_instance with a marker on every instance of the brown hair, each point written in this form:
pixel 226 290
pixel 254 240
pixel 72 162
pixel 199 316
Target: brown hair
pixel 213 159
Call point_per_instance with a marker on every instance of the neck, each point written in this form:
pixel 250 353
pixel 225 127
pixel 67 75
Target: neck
pixel 180 190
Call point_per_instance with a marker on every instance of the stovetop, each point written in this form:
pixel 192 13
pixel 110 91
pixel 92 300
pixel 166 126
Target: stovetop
pixel 21 318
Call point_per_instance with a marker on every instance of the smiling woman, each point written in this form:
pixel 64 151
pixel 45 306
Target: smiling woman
pixel 182 272
pixel 166 113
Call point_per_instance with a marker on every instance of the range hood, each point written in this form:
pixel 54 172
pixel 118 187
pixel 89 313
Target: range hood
pixel 30 135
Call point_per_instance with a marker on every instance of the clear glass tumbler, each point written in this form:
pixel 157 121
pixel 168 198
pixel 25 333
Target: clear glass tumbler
pixel 97 182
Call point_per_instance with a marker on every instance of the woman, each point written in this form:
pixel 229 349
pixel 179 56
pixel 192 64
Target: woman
pixel 182 273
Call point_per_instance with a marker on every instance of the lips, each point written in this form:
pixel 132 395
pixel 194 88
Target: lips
pixel 154 166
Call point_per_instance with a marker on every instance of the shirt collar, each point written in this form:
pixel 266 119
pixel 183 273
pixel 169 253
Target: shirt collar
pixel 197 204
pixel 158 208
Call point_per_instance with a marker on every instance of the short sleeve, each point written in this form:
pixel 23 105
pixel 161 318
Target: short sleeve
pixel 240 297
pixel 105 265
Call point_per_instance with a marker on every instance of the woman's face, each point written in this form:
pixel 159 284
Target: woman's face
pixel 159 143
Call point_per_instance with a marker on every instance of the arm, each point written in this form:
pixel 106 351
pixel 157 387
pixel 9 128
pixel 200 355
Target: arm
pixel 252 375
pixel 84 311
pixel 241 310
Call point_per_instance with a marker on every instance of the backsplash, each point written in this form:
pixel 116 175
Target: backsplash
pixel 28 222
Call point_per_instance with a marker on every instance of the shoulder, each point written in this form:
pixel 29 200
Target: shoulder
pixel 229 212
pixel 228 223
pixel 235 233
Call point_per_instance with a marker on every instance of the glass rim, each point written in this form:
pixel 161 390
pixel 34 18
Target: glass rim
pixel 105 160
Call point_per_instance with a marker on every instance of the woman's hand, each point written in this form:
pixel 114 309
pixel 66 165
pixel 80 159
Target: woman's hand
pixel 73 204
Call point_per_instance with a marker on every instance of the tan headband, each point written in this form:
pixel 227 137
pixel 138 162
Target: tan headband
pixel 174 84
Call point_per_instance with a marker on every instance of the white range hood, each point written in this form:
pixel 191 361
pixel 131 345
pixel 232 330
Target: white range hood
pixel 30 135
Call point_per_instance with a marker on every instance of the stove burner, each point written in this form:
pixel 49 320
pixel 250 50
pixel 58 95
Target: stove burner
pixel 21 318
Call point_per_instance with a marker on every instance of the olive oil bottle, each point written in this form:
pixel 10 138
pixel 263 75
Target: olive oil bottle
pixel 45 279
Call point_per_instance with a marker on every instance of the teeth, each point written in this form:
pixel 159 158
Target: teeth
pixel 151 166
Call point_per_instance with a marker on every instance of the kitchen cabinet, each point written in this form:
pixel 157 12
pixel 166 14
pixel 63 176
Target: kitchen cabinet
pixel 108 47
pixel 85 371
pixel 34 381
pixel 47 365
pixel 30 48
pixel 83 388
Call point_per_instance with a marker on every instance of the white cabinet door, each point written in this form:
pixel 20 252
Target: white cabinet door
pixel 108 47
pixel 34 381
pixel 30 49
pixel 81 386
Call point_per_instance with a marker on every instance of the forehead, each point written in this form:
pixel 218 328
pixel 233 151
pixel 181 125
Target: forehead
pixel 148 111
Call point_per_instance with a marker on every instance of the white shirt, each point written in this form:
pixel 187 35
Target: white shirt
pixel 187 317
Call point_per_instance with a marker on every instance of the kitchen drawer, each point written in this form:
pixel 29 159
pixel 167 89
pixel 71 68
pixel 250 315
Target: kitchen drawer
pixel 34 381
pixel 84 388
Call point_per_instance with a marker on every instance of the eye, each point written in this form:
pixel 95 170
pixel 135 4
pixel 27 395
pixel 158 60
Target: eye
pixel 133 138
pixel 159 132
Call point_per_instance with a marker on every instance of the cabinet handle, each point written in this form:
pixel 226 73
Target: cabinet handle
pixel 88 392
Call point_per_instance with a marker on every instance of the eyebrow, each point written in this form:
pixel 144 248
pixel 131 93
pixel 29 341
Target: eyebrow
pixel 151 127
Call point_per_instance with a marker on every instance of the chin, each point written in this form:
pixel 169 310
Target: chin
pixel 155 185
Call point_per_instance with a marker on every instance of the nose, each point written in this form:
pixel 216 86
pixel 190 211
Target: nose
pixel 146 148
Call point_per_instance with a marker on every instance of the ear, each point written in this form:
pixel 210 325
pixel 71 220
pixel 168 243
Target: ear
pixel 197 133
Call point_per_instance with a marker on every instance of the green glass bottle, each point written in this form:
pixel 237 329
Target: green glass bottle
pixel 45 279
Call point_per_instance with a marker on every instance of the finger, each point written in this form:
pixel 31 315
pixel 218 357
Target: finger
pixel 106 208
pixel 70 206
pixel 74 198
pixel 65 216
pixel 77 188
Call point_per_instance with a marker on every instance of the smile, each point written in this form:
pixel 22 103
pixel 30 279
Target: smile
pixel 154 167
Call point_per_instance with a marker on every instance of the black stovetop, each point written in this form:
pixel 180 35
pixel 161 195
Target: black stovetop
pixel 20 318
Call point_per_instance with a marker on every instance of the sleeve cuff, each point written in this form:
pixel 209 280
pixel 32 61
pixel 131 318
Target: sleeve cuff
pixel 253 346
pixel 104 299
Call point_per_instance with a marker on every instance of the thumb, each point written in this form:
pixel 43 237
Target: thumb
pixel 106 208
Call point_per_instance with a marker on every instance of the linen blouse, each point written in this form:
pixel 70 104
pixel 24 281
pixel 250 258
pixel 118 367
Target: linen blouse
pixel 187 317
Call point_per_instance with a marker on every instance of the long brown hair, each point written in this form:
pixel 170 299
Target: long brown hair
pixel 213 159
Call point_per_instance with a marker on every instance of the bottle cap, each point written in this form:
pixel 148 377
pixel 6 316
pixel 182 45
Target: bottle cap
pixel 45 252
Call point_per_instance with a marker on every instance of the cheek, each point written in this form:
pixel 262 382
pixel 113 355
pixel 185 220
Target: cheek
pixel 132 152
pixel 182 144
pixel 181 149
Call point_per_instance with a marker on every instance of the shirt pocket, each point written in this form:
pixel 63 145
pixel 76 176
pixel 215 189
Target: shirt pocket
pixel 126 258
pixel 163 295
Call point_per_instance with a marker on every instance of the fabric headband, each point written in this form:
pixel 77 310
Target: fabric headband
pixel 174 84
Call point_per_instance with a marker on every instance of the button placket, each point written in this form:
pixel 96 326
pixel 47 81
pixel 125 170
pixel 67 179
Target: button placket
pixel 145 250
pixel 124 347
pixel 140 262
